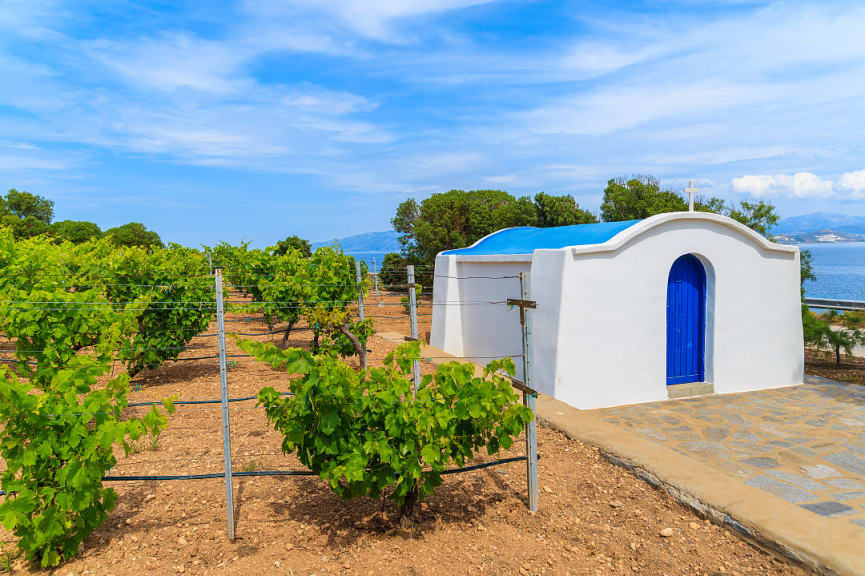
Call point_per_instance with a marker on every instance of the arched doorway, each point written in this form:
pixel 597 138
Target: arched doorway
pixel 686 321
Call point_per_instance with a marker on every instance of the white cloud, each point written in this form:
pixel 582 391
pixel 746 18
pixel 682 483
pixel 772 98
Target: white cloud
pixel 368 18
pixel 799 185
pixel 853 181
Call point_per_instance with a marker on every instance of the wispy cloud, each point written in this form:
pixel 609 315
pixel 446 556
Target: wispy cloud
pixel 800 185
pixel 853 183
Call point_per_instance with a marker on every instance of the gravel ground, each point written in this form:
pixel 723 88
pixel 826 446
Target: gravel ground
pixel 594 518
pixel 822 363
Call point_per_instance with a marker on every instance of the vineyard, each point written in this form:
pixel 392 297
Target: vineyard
pixel 113 442
pixel 76 314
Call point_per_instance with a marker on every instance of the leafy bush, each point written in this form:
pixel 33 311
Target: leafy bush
pixel 834 332
pixel 168 290
pixel 332 291
pixel 75 231
pixel 50 311
pixel 392 272
pixel 57 442
pixel 134 234
pixel 287 285
pixel 406 300
pixel 292 243
pixel 363 433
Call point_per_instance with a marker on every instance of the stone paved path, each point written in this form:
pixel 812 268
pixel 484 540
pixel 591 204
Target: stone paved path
pixel 805 444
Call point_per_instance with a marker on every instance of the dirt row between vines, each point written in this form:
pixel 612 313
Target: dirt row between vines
pixel 594 518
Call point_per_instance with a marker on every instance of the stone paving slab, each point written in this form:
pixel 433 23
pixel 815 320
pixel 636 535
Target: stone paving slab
pixel 804 444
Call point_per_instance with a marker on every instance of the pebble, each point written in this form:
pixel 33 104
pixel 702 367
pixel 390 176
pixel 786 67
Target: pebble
pixel 548 490
pixel 615 504
pixel 694 526
pixel 666 532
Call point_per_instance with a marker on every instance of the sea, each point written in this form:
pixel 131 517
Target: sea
pixel 839 267
pixel 372 259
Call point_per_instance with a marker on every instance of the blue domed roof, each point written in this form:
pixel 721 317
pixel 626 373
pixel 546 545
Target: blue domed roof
pixel 527 239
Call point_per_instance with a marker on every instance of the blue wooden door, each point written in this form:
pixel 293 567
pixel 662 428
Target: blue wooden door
pixel 686 321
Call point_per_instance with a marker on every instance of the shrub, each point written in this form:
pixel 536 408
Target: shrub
pixel 834 332
pixel 57 442
pixel 75 231
pixel 364 433
pixel 134 234
pixel 392 272
pixel 292 243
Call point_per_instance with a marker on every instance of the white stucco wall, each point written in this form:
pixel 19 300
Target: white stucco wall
pixel 464 322
pixel 600 327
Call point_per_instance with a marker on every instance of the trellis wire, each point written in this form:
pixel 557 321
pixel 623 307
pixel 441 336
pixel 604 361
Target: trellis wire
pixel 252 473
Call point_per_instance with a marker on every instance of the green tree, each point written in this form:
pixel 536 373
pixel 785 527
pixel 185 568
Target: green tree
pixel 642 196
pixel 813 328
pixel 24 227
pixel 293 242
pixel 134 234
pixel 806 269
pixel 75 231
pixel 838 333
pixel 638 198
pixel 759 216
pixel 457 218
pixel 25 205
pixel 392 271
pixel 520 212
pixel 560 211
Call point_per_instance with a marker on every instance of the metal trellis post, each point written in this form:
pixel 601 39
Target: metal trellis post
pixel 375 278
pixel 360 305
pixel 529 395
pixel 223 385
pixel 412 303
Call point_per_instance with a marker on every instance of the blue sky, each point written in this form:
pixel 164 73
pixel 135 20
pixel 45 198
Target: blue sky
pixel 257 119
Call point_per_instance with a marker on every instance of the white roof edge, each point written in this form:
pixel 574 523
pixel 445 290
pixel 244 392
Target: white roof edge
pixel 488 257
pixel 628 234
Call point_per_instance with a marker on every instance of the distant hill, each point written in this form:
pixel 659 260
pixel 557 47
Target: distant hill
pixel 820 227
pixel 383 242
pixel 821 222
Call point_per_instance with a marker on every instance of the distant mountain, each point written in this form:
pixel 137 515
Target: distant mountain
pixel 370 242
pixel 819 236
pixel 820 222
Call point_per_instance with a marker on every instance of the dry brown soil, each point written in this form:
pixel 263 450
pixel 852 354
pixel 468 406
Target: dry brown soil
pixel 821 363
pixel 594 518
